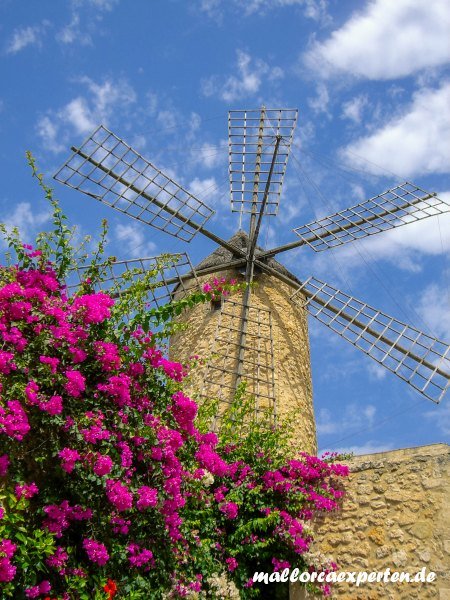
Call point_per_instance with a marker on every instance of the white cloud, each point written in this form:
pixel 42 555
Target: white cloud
pixel 434 308
pixel 111 98
pixel 49 131
pixel 106 5
pixel 312 9
pixel 74 32
pixel 369 447
pixel 251 73
pixel 26 36
pixel 412 144
pixel 204 189
pixel 209 155
pixel 352 417
pixel 133 239
pixel 354 108
pixel 320 102
pixel 386 40
pixel 441 417
pixel 26 218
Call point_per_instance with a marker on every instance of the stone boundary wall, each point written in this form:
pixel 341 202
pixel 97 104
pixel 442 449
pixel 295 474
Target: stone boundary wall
pixel 396 514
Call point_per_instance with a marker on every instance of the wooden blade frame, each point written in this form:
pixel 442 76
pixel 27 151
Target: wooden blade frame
pixel 252 137
pixel 171 271
pixel 398 206
pixel 421 360
pixel 109 170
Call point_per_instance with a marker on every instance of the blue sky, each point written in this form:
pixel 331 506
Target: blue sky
pixel 372 85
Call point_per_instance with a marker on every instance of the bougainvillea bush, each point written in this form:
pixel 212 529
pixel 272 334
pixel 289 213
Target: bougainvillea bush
pixel 111 486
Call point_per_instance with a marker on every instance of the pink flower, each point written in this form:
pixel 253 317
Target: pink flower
pixel 13 420
pixel 120 525
pixel 7 362
pixel 147 497
pixel 51 362
pixel 94 308
pixel 27 490
pixel 58 559
pixel 69 458
pixel 38 590
pixel 184 410
pixel 96 551
pixel 229 509
pixel 76 383
pixel 53 407
pixel 7 570
pixel 232 564
pixel 119 495
pixel 107 355
pixel 139 556
pixel 209 459
pixel 103 465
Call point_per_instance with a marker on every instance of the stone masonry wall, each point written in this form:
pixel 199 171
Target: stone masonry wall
pixel 396 514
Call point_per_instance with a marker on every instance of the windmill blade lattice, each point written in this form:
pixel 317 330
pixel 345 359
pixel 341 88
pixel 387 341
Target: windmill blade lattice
pixel 109 170
pixel 258 365
pixel 252 138
pixel 403 204
pixel 169 271
pixel 419 359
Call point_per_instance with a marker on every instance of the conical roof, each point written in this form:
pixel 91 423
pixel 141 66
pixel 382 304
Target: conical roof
pixel 221 256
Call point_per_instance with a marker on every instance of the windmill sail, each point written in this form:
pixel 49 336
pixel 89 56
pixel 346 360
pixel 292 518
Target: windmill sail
pixel 419 359
pixel 252 136
pixel 109 170
pixel 168 272
pixel 398 206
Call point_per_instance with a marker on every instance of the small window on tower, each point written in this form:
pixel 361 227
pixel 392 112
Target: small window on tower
pixel 216 304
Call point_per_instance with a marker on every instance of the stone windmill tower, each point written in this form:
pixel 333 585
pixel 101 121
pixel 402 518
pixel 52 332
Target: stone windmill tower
pixel 261 336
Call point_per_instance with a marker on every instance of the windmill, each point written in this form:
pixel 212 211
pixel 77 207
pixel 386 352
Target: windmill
pixel 239 333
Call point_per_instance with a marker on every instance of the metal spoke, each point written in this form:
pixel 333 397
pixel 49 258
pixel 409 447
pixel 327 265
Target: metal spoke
pixel 250 155
pixel 398 206
pixel 110 171
pixel 170 272
pixel 421 360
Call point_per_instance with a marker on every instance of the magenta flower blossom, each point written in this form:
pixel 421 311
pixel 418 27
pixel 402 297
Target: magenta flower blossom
pixel 232 564
pixel 96 551
pixel 69 459
pixel 38 590
pixel 229 509
pixel 27 490
pixel 14 421
pixel 184 410
pixel 209 459
pixel 76 383
pixel 148 497
pixel 51 362
pixel 58 559
pixel 103 465
pixel 7 362
pixel 7 569
pixel 138 556
pixel 119 495
pixel 95 308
